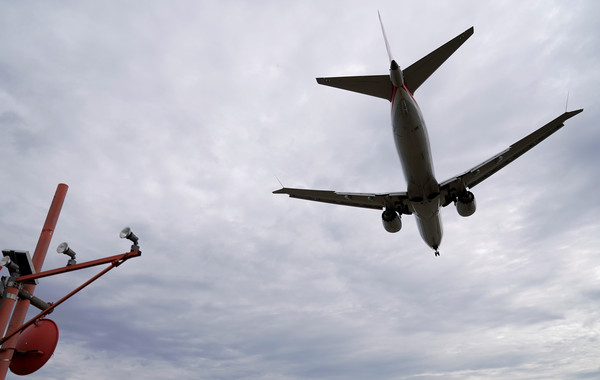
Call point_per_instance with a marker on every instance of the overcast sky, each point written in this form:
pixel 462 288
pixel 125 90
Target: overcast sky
pixel 175 118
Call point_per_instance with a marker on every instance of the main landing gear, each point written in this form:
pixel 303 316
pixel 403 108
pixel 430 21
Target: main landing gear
pixel 437 253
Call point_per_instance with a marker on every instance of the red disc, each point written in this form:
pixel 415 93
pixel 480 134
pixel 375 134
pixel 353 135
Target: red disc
pixel 35 346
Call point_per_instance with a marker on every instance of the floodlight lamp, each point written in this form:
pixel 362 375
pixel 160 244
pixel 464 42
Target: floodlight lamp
pixel 5 261
pixel 8 263
pixel 64 249
pixel 127 234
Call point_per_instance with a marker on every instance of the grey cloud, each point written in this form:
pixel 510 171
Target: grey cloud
pixel 175 118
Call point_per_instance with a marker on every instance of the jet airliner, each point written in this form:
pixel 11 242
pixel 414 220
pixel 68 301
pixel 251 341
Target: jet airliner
pixel 424 195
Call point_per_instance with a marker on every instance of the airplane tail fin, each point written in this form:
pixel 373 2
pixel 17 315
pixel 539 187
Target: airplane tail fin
pixel 382 86
pixel 396 75
pixel 387 44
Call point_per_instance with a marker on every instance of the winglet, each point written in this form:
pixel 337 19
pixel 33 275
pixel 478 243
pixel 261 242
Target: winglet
pixel 277 178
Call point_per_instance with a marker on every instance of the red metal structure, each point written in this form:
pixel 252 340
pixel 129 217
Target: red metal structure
pixel 20 286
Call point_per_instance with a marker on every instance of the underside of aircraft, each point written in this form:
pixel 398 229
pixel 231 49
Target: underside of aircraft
pixel 424 195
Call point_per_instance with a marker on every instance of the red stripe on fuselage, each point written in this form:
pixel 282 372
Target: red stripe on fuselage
pixel 395 91
pixel 411 95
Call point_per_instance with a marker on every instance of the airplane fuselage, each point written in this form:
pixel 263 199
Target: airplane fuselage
pixel 414 151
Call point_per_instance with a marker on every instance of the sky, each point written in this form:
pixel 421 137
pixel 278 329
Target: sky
pixel 178 118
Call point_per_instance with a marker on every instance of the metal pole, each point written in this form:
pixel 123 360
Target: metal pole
pixel 88 264
pixel 44 241
pixel 7 350
pixel 57 303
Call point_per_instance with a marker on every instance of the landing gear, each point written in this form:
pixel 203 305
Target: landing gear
pixel 437 253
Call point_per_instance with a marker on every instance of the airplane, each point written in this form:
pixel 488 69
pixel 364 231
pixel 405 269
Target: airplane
pixel 425 196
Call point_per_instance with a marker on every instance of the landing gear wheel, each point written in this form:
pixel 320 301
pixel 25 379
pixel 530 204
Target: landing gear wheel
pixel 437 253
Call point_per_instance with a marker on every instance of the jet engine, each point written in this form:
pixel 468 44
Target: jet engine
pixel 391 221
pixel 465 204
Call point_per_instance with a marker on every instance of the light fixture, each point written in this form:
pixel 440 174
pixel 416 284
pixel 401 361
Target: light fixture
pixel 64 249
pixel 8 263
pixel 127 234
pixel 4 261
pixel 20 264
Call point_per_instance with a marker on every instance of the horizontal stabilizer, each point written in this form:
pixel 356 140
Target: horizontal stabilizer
pixel 374 85
pixel 418 72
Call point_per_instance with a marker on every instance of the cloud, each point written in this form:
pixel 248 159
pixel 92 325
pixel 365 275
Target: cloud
pixel 175 119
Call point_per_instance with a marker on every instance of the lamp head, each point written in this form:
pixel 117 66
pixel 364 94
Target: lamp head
pixel 7 262
pixel 4 261
pixel 64 249
pixel 127 234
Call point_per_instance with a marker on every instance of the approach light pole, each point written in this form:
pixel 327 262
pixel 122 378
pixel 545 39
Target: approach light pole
pixel 26 347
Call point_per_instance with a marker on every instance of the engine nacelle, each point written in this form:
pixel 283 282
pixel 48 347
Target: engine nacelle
pixel 465 204
pixel 391 221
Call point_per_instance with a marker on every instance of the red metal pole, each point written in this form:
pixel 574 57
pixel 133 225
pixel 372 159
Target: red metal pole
pixel 39 255
pixel 57 303
pixel 44 241
pixel 88 264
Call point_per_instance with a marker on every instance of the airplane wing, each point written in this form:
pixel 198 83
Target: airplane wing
pixel 453 186
pixel 395 201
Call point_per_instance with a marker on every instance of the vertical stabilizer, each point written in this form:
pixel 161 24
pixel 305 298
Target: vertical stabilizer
pixel 395 73
pixel 387 44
